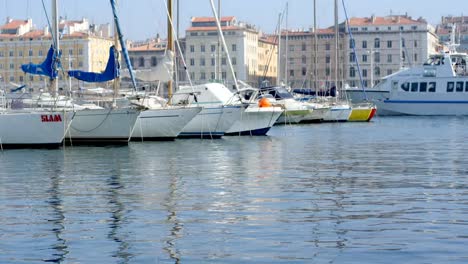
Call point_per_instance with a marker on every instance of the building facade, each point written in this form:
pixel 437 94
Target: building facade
pixel 21 43
pixel 384 45
pixel 459 27
pixel 207 60
pixel 298 56
pixel 381 45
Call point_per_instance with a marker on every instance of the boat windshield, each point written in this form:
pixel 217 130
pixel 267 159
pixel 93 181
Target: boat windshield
pixel 435 60
pixel 280 93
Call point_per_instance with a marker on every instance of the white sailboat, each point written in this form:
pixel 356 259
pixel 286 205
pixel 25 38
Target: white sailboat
pixel 97 125
pixel 160 120
pixel 32 128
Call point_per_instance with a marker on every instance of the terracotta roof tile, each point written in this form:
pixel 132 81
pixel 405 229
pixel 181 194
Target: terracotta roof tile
pixel 271 39
pixel 214 28
pixel 383 21
pixel 33 34
pixel 212 19
pixel 320 31
pixel 14 24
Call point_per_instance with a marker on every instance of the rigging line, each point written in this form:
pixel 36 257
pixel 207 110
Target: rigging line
pixel 354 51
pixel 277 29
pixel 50 25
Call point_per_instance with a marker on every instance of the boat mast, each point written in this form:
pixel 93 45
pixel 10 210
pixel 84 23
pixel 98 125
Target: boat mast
pixel 176 58
pixel 116 84
pixel 336 46
pixel 278 77
pixel 287 47
pixel 218 51
pixel 54 82
pixel 315 46
pixel 170 43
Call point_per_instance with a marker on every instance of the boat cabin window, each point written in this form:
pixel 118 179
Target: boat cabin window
pixel 431 87
pixel 414 87
pixel 395 85
pixel 450 86
pixel 466 86
pixel 280 93
pixel 423 87
pixel 459 87
pixel 435 60
pixel 405 86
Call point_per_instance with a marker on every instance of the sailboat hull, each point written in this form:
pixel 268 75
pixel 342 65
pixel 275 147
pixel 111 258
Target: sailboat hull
pixel 163 124
pixel 338 113
pixel 255 121
pixel 41 129
pixel 212 122
pixel 102 126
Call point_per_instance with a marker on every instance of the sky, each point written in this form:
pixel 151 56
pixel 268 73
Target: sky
pixel 142 19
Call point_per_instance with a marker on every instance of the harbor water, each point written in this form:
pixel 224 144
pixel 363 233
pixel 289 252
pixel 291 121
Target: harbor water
pixel 394 190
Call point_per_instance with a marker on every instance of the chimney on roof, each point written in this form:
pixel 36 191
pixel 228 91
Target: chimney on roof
pixel 8 19
pixel 373 19
pixel 46 30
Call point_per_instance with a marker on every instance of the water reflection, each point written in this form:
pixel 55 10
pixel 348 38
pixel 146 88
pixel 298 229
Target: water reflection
pixel 58 214
pixel 118 218
pixel 170 203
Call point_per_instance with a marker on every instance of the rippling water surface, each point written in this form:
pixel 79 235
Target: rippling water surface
pixel 391 191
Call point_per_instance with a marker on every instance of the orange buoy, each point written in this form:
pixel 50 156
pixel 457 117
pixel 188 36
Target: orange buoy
pixel 264 102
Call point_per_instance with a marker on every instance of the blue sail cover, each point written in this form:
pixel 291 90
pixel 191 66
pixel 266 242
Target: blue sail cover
pixel 46 68
pixel 110 73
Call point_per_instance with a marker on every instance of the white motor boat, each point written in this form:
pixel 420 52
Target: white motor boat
pixel 223 112
pixel 258 117
pixel 438 87
pixel 294 111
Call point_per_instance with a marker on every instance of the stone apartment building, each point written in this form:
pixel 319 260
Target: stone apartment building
pixel 382 46
pixel 297 63
pixel 21 43
pixel 248 49
pixel 445 28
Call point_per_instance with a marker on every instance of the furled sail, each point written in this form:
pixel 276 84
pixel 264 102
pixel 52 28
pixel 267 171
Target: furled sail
pixel 46 68
pixel 110 73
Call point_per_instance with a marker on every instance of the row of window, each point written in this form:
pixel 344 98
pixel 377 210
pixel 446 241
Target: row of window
pixel 142 61
pixel 457 87
pixel 213 61
pixel 401 28
pixel 212 48
pixel 376 56
pixel 377 72
pixel 212 75
pixel 431 87
pixel 31 53
pixel 377 43
pixel 419 87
